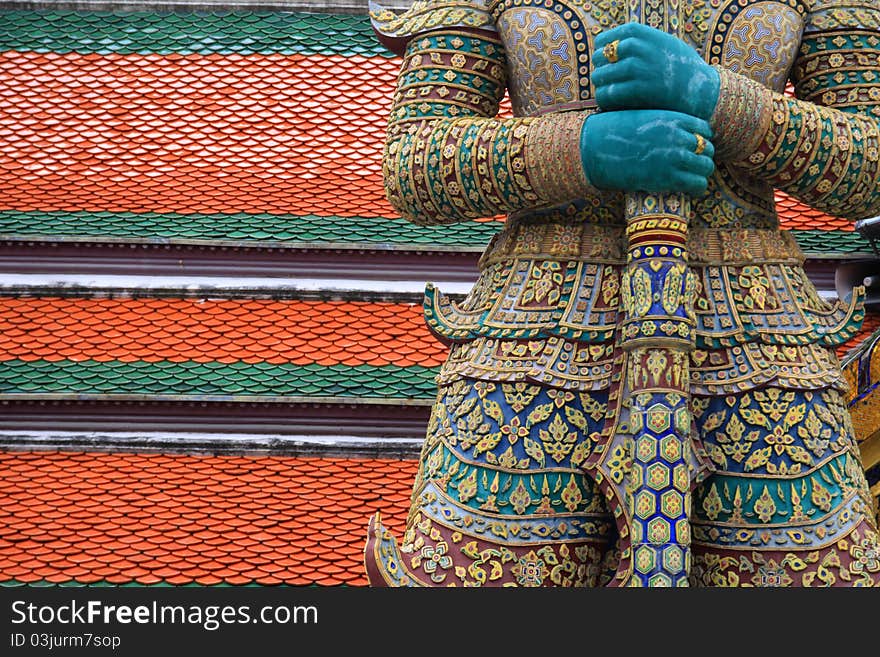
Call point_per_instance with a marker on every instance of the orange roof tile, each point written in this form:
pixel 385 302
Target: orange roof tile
pixel 209 133
pixel 870 324
pixel 284 134
pixel 320 546
pixel 794 215
pixel 251 330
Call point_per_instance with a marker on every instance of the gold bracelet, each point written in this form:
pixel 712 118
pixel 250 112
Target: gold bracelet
pixel 553 157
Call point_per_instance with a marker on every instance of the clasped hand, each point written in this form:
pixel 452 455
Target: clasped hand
pixel 656 97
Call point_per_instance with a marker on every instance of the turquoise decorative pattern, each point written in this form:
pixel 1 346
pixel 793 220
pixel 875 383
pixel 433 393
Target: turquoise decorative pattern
pixel 826 154
pixel 280 230
pixel 524 298
pixel 93 379
pixel 197 32
pixel 766 502
pixel 837 70
pixel 500 496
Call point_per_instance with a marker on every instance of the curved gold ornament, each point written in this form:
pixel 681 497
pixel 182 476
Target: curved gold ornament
pixel 672 288
pixel 641 292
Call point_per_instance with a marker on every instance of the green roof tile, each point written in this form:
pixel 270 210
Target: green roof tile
pixel 236 229
pixel 197 32
pixel 289 230
pixel 831 241
pixel 238 379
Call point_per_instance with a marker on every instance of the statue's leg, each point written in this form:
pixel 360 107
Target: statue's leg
pixel 499 498
pixel 789 503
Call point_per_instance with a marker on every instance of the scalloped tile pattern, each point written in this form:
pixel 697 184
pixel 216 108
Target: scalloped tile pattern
pixel 795 215
pixel 831 241
pixel 239 112
pixel 277 231
pixel 213 381
pixel 217 331
pixel 250 229
pixel 278 134
pixel 228 127
pixel 154 519
pixel 239 31
pixel 870 324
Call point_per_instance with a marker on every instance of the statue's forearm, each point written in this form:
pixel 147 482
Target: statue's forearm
pixel 447 170
pixel 448 158
pixel 824 156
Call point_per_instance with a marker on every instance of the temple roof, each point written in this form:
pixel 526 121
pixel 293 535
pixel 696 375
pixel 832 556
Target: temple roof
pixel 229 349
pixel 236 430
pixel 238 127
pixel 114 519
pixel 253 347
pixel 162 32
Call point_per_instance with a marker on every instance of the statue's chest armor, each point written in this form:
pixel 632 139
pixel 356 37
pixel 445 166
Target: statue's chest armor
pixel 549 43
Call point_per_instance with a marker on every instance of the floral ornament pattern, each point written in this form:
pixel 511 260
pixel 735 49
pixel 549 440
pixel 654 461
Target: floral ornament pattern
pixel 773 431
pixel 865 556
pixel 770 574
pixel 504 494
pixel 431 558
pixel 530 571
pixel 848 561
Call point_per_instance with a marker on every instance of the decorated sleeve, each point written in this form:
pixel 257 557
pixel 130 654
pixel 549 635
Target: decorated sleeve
pixel 396 29
pixel 820 146
pixel 448 156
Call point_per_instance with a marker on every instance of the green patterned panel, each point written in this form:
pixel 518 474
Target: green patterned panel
pixel 279 230
pixel 238 379
pixel 831 241
pixel 197 32
pixel 236 228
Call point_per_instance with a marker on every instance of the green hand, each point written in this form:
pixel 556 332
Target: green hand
pixel 654 70
pixel 646 150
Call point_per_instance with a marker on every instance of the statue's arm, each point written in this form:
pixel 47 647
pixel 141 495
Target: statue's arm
pixel 448 158
pixel 821 146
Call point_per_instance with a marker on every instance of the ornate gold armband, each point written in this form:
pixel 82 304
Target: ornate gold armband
pixel 553 157
pixel 742 116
